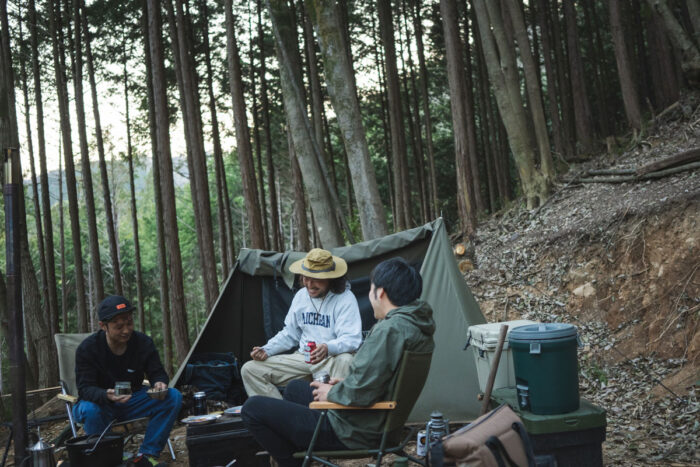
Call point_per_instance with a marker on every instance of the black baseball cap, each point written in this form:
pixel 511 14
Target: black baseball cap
pixel 112 306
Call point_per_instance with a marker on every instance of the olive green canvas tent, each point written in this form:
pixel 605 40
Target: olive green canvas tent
pixel 255 298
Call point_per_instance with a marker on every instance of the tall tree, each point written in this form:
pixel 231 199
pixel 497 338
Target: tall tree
pixel 627 83
pixel 402 194
pixel 62 91
pixel 43 172
pixel 277 239
pixel 167 186
pixel 62 250
pixel 243 148
pixel 425 102
pixel 35 189
pixel 550 72
pixel 582 107
pixel 164 285
pixel 38 337
pixel 342 90
pixel 223 210
pixel 502 70
pixel 132 189
pixel 299 200
pixel 324 202
pixel 564 83
pixel 106 196
pixel 681 40
pixel 413 114
pixel 664 80
pixel 458 103
pixel 256 137
pixel 534 93
pixel 192 118
pixel 93 241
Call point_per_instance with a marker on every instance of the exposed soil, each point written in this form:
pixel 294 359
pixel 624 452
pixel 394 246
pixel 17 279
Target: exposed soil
pixel 621 262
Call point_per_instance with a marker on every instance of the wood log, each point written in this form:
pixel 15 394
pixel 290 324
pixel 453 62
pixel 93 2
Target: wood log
pixel 692 155
pixel 460 249
pixel 36 392
pixel 494 368
pixel 595 172
pixel 54 406
pixel 648 176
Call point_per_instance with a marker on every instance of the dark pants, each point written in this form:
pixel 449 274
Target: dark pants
pixel 284 427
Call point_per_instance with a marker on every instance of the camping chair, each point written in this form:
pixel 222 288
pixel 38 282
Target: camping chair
pixel 66 345
pixel 413 372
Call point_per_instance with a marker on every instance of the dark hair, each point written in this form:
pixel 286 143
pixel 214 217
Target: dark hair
pixel 401 282
pixel 337 285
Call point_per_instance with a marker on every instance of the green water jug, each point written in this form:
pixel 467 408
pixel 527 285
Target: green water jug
pixel 546 367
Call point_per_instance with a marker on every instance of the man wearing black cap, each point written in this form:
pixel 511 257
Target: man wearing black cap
pixel 118 353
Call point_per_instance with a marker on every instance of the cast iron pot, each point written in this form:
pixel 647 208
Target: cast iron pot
pixel 89 451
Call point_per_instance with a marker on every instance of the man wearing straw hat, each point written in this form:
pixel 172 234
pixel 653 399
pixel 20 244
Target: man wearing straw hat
pixel 324 311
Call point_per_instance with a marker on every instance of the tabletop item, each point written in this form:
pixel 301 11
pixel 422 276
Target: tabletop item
pixel 234 411
pixel 199 419
pixel 200 403
pixel 322 377
pixel 122 388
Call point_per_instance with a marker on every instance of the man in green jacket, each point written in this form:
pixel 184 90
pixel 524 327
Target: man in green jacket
pixel 286 426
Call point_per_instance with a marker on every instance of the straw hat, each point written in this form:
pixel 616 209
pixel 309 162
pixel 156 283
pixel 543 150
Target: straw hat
pixel 320 264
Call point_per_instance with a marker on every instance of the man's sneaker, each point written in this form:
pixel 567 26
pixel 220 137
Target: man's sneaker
pixel 143 460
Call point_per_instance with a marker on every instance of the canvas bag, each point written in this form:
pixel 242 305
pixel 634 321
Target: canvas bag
pixel 497 438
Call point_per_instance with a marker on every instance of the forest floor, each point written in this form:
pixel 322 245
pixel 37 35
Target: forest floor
pixel 621 262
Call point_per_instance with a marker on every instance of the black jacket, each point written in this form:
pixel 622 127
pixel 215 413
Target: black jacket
pixel 97 368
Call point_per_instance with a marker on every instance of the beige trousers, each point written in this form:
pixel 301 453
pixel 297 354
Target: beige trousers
pixel 262 378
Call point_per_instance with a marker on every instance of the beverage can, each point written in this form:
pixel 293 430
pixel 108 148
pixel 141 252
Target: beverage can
pixel 322 377
pixel 308 348
pixel 421 444
pixel 200 403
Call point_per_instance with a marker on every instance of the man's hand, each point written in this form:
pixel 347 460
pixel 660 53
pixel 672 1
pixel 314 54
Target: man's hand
pixel 259 354
pixel 321 390
pixel 117 399
pixel 160 386
pixel 335 381
pixel 319 353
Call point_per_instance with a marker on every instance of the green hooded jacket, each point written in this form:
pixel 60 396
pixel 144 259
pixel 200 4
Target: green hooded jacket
pixel 374 370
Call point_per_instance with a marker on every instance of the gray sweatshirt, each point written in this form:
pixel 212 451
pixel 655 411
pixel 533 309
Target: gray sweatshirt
pixel 333 320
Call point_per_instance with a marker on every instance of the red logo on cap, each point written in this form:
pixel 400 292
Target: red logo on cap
pixel 121 305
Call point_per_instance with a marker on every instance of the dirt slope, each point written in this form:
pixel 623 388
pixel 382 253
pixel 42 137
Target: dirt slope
pixel 620 261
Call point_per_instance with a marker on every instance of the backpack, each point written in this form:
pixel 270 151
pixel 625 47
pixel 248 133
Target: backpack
pixel 496 439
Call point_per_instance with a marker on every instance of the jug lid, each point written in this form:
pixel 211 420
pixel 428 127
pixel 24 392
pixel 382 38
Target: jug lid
pixel 542 331
pixel 41 446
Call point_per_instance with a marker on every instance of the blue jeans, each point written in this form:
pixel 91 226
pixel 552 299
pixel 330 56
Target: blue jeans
pixel 284 427
pixel 96 417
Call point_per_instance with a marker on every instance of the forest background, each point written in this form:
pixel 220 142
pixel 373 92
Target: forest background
pixel 200 127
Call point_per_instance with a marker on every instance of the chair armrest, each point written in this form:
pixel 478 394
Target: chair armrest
pixel 67 398
pixel 325 405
